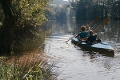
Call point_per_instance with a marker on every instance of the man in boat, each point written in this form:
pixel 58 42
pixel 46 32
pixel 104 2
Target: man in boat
pixel 84 33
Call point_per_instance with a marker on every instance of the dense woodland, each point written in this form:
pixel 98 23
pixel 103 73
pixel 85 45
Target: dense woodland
pixel 21 19
pixel 87 9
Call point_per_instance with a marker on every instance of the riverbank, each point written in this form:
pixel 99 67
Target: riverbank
pixel 30 65
pixel 27 61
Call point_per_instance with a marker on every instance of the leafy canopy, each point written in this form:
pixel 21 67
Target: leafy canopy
pixel 30 10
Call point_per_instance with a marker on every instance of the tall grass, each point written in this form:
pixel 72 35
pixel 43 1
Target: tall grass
pixel 26 67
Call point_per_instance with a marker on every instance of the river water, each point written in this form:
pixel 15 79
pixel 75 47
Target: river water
pixel 72 63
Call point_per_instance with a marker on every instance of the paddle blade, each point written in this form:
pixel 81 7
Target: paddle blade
pixel 94 20
pixel 105 21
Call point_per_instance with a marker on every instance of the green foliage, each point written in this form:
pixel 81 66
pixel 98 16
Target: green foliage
pixel 94 9
pixel 28 10
pixel 87 9
pixel 57 12
pixel 22 21
pixel 30 15
pixel 26 68
pixel 50 13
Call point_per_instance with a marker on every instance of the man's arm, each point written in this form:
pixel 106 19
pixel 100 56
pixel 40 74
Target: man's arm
pixel 88 27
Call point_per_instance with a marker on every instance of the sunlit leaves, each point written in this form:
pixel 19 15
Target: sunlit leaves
pixel 30 15
pixel 31 10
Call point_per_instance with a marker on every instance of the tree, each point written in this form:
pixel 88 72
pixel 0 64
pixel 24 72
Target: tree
pixel 20 16
pixel 87 9
pixel 115 10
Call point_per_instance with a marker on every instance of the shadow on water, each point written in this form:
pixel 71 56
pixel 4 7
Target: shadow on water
pixel 98 53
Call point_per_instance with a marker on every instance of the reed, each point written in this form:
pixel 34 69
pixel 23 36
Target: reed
pixel 26 67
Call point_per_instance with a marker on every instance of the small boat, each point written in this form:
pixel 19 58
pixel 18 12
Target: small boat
pixel 101 47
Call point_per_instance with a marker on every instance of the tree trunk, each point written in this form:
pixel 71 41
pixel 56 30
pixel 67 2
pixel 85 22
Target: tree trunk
pixel 7 30
pixel 6 37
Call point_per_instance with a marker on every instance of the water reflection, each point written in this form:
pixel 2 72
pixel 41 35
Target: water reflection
pixel 76 64
pixel 59 27
pixel 109 33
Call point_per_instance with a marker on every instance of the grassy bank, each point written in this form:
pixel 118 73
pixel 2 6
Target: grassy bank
pixel 26 67
pixel 28 61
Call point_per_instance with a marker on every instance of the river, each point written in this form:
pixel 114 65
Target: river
pixel 72 63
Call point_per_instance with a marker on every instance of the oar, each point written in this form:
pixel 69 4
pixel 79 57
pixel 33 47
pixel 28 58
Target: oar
pixel 103 23
pixel 88 24
pixel 94 20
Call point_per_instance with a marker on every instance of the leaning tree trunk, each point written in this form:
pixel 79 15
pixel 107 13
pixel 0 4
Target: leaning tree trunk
pixel 7 29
